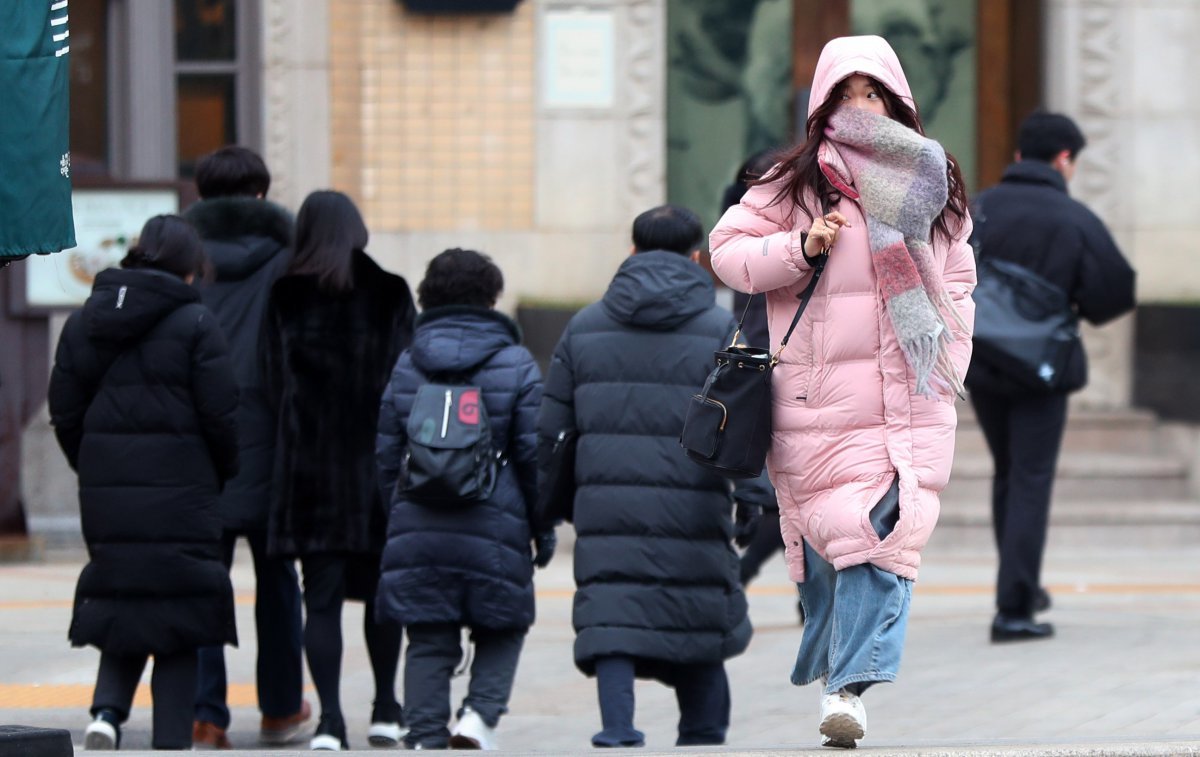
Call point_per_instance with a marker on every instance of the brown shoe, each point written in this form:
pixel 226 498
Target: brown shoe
pixel 207 736
pixel 279 731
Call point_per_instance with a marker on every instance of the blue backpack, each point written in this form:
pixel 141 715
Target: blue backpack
pixel 449 460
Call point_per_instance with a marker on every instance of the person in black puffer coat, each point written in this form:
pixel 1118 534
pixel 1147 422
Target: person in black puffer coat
pixel 335 325
pixel 658 593
pixel 470 566
pixel 144 404
pixel 1029 219
pixel 248 240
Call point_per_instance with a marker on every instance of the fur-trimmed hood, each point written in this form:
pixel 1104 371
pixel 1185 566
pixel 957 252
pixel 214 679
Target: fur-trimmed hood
pixel 233 217
pixel 241 234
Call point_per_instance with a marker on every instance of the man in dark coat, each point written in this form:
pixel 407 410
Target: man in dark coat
pixel 1029 219
pixel 247 239
pixel 450 567
pixel 657 578
pixel 143 401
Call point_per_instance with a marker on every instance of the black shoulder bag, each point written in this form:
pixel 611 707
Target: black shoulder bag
pixel 728 424
pixel 1025 327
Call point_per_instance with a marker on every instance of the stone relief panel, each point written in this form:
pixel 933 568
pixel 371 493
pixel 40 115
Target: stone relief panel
pixel 644 89
pixel 278 26
pixel 1085 66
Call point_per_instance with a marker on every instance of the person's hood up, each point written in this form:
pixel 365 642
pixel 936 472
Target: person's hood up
pixel 457 339
pixel 240 233
pixel 658 290
pixel 125 304
pixel 867 55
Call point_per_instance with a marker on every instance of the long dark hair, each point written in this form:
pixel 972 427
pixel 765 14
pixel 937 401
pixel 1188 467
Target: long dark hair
pixel 801 173
pixel 329 229
pixel 168 243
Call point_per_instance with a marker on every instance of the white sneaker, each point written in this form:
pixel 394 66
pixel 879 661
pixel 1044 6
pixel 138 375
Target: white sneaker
pixel 385 735
pixel 472 733
pixel 324 742
pixel 843 720
pixel 100 735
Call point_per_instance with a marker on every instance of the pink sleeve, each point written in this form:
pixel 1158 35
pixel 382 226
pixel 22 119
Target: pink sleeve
pixel 959 279
pixel 754 247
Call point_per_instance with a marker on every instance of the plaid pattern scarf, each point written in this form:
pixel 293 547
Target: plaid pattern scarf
pixel 899 178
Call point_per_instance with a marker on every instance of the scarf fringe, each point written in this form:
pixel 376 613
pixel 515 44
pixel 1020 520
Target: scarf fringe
pixel 931 363
pixel 922 354
pixel 947 305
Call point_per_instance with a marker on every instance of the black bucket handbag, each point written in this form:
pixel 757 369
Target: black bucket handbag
pixel 728 424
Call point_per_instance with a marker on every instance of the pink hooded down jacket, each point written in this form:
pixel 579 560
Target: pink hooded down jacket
pixel 847 420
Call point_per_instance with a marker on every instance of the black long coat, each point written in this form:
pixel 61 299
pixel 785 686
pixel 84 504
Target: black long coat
pixel 1029 219
pixel 247 240
pixel 328 358
pixel 656 575
pixel 469 566
pixel 144 403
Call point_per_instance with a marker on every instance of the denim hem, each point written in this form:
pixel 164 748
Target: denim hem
pixel 832 687
pixel 796 681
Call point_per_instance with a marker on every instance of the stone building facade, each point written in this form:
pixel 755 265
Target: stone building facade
pixel 448 130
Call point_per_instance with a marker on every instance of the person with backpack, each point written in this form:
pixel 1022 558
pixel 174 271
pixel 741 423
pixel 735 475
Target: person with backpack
pixel 144 400
pixel 1030 220
pixel 248 240
pixel 336 323
pixel 457 461
pixel 658 594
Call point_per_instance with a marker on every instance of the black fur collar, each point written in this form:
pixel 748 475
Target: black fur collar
pixel 232 217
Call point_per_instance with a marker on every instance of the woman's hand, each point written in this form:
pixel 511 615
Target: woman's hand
pixel 824 233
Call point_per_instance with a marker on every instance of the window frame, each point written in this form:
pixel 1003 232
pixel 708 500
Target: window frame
pixel 143 71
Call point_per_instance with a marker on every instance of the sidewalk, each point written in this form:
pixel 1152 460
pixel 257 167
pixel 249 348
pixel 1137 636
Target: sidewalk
pixel 1122 677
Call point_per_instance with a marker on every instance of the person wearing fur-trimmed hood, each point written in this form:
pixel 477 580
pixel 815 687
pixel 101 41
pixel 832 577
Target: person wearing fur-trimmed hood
pixel 864 415
pixel 248 241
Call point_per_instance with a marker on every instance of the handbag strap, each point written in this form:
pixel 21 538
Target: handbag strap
pixel 805 297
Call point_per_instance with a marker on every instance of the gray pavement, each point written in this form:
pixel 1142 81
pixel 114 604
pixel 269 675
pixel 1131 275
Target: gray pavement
pixel 1122 676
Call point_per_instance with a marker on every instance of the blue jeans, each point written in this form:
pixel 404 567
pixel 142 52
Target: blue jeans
pixel 279 674
pixel 855 619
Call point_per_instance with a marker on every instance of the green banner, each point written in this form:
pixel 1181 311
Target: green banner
pixel 35 154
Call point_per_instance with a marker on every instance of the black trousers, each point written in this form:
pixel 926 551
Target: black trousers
pixel 701 690
pixel 434 649
pixel 277 620
pixel 172 686
pixel 1024 435
pixel 325 590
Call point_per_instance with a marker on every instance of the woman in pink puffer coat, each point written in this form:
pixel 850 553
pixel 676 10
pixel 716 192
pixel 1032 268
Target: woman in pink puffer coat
pixel 864 417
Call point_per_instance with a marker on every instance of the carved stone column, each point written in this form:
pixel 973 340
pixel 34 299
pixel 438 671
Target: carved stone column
pixel 1088 58
pixel 645 104
pixel 295 87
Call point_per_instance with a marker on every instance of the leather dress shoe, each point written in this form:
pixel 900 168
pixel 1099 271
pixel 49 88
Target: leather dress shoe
pixel 1019 629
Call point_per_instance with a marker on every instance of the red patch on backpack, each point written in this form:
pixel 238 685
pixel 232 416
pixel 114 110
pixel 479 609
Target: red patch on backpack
pixel 468 407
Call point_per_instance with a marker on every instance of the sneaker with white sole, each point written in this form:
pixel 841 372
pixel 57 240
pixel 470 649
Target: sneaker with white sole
pixel 103 733
pixel 387 726
pixel 330 736
pixel 472 733
pixel 843 720
pixel 385 735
